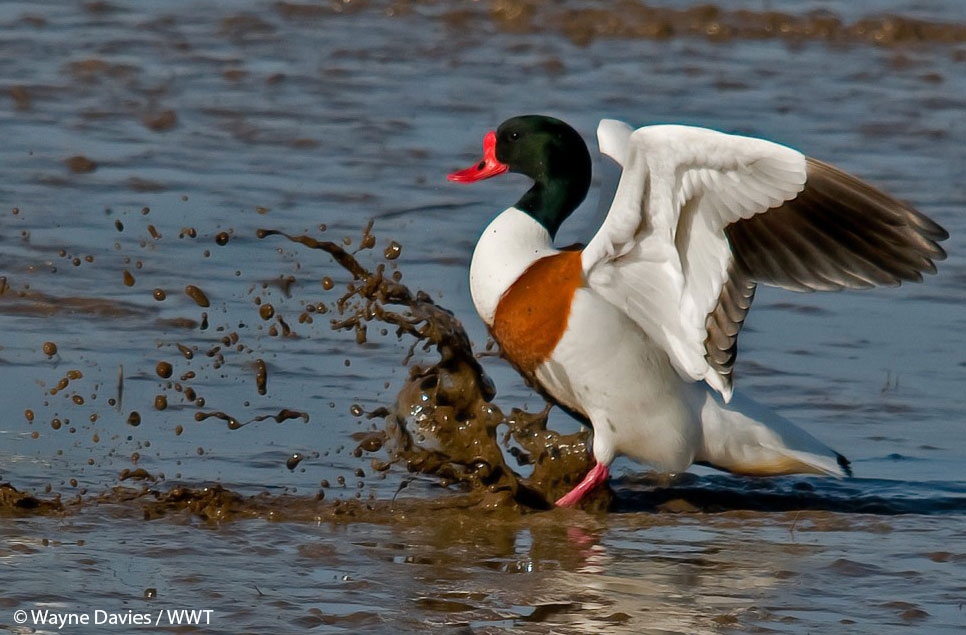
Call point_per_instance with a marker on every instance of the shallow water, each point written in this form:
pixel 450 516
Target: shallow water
pixel 145 145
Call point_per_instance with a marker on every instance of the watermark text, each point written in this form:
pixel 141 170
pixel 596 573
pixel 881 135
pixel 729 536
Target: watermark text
pixel 63 620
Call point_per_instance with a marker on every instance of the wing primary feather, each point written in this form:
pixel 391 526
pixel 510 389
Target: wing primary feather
pixel 885 252
pixel 815 253
pixel 839 232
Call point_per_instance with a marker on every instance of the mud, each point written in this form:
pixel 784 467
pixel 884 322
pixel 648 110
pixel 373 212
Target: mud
pixel 444 422
pixel 634 19
pixel 14 502
pixel 643 20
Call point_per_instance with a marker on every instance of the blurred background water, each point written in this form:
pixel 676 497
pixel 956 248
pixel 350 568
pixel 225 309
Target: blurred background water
pixel 145 143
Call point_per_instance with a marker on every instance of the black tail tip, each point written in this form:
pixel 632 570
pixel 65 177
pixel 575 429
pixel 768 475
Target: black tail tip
pixel 844 463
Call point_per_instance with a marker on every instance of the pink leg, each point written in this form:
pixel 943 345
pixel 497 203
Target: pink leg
pixel 596 477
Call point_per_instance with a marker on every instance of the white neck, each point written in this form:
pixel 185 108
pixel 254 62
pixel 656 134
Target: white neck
pixel 508 246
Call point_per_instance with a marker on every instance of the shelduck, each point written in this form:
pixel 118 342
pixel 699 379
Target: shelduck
pixel 636 333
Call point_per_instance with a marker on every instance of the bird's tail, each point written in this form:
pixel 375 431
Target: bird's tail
pixel 744 437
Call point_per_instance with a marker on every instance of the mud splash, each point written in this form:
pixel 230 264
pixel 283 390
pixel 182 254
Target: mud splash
pixel 444 423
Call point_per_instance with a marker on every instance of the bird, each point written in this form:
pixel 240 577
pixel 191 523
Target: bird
pixel 636 332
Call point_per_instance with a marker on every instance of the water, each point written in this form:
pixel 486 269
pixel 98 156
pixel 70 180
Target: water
pixel 202 122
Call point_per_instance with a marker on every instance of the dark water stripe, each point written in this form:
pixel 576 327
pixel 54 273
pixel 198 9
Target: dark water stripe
pixel 720 493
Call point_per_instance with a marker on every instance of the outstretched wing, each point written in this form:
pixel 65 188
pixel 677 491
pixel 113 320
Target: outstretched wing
pixel 700 217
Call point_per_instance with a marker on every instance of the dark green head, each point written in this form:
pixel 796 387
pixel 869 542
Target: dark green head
pixel 548 151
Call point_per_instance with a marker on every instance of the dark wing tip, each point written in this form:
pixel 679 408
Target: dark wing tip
pixel 838 233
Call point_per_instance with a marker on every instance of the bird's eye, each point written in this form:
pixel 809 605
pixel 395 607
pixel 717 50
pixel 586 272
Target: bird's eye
pixel 514 136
